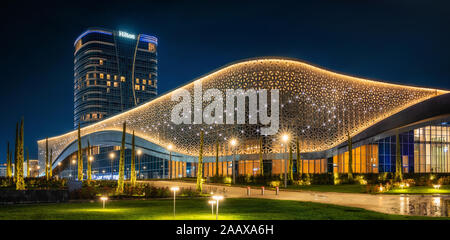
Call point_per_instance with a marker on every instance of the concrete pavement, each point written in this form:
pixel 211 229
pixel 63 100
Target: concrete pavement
pixel 384 203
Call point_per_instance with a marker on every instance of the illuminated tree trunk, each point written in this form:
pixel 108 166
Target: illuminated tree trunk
pixel 16 150
pixel 50 163
pixel 350 159
pixel 299 161
pixel 46 159
pixel 291 164
pixel 89 163
pixel 200 165
pixel 20 183
pixel 217 158
pixel 133 165
pixel 28 164
pixel 8 162
pixel 261 163
pixel 120 181
pixel 398 159
pixel 80 156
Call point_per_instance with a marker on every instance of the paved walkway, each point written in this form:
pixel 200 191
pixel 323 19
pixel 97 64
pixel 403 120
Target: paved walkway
pixel 384 203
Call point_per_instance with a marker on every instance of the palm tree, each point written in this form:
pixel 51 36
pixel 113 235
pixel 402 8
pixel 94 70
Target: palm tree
pixel 299 161
pixel 89 163
pixel 50 163
pixel 350 159
pixel 8 162
pixel 46 159
pixel 28 164
pixel 20 183
pixel 261 163
pixel 133 165
pixel 217 158
pixel 398 160
pixel 120 181
pixel 200 165
pixel 291 164
pixel 80 156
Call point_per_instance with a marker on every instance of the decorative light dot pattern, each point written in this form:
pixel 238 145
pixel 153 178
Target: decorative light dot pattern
pixel 317 106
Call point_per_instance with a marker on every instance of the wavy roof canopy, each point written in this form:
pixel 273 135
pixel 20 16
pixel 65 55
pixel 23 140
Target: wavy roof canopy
pixel 318 106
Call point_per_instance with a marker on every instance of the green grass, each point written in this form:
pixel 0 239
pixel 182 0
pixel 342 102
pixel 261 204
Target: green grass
pixel 445 189
pixel 194 209
pixel 342 188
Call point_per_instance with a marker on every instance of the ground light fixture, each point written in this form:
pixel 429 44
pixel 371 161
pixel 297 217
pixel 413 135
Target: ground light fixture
pixel 104 199
pixel 217 198
pixel 212 202
pixel 174 190
pixel 436 186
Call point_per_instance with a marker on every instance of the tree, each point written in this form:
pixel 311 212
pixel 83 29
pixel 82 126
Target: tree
pixel 16 150
pixel 133 165
pixel 89 163
pixel 398 159
pixel 46 159
pixel 291 164
pixel 120 181
pixel 80 156
pixel 28 164
pixel 8 162
pixel 217 158
pixel 200 165
pixel 50 163
pixel 261 163
pixel 299 161
pixel 20 183
pixel 350 159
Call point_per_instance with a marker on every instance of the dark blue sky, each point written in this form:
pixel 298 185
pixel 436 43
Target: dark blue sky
pixel 396 41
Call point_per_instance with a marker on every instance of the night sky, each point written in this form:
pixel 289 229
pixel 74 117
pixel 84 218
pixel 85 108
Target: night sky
pixel 402 42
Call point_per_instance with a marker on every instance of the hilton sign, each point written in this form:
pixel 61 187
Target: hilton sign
pixel 127 35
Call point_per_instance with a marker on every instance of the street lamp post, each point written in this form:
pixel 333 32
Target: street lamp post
pixel 217 198
pixel 285 139
pixel 71 166
pixel 139 152
pixel 174 189
pixel 233 143
pixel 111 156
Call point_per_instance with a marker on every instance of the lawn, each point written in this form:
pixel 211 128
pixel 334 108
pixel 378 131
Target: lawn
pixel 444 189
pixel 343 188
pixel 194 209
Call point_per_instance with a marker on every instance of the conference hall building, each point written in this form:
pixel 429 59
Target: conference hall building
pixel 255 104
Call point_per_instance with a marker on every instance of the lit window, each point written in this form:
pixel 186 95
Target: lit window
pixel 137 80
pixel 143 87
pixel 122 79
pixel 144 81
pixel 108 83
pixel 149 82
pixel 87 75
pixel 101 62
pixel 115 77
pixel 94 75
pixel 151 47
pixel 107 90
pixel 116 84
pixel 102 75
pixel 87 83
pixel 136 87
pixel 108 76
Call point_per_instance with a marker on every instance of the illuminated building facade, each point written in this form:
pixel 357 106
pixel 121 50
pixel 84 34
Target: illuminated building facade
pixel 113 71
pixel 318 109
